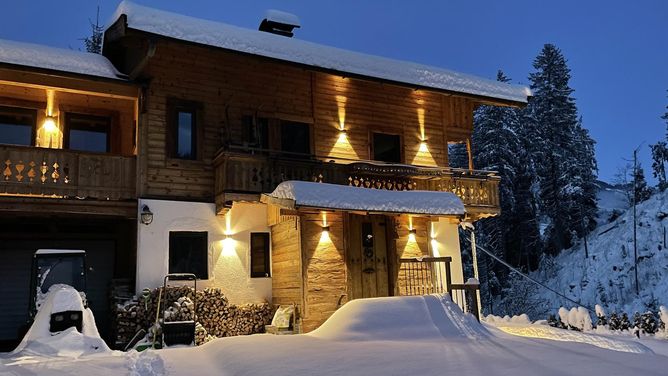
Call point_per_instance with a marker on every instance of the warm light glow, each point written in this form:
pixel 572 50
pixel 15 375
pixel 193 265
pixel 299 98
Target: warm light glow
pixel 420 114
pixel 49 125
pixel 229 247
pixel 341 105
pixel 324 237
pixel 423 147
pixel 228 223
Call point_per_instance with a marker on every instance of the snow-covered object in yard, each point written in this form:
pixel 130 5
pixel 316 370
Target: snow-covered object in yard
pixel 40 341
pixel 57 59
pixel 663 315
pixel 577 317
pixel 600 312
pixel 293 50
pixel 342 197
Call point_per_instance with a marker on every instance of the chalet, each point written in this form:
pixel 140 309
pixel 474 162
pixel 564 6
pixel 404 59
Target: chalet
pixel 273 168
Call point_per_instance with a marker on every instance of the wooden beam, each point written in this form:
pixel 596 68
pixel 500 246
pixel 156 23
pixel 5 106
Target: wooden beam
pixel 78 85
pixel 38 206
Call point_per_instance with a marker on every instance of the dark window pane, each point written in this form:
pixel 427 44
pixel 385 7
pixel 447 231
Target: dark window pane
pixel 185 135
pixel 88 133
pixel 386 147
pixel 188 253
pixel 255 131
pixel 295 138
pixel 259 251
pixel 16 126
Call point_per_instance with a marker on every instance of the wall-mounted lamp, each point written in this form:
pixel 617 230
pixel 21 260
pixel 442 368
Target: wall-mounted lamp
pixel 146 215
pixel 325 228
pixel 412 231
pixel 50 124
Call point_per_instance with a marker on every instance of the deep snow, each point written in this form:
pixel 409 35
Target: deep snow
pixel 607 276
pixel 382 336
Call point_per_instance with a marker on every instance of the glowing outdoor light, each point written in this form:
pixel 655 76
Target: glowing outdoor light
pixel 50 124
pixel 146 215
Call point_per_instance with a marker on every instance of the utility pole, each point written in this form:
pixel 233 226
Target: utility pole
pixel 635 219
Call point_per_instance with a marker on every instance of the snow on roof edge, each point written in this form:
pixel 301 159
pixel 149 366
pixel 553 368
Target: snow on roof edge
pixel 39 56
pixel 221 35
pixel 343 197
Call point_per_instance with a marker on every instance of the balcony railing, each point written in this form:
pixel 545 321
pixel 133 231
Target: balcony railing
pixel 431 275
pixel 243 173
pixel 33 171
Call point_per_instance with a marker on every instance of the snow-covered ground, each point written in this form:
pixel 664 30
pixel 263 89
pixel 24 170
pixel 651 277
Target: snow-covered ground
pixel 607 277
pixel 383 336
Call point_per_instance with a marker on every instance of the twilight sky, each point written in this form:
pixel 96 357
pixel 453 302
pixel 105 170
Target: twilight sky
pixel 617 49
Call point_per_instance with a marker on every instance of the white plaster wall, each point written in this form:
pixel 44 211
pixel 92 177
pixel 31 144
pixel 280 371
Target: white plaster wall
pixel 229 256
pixel 445 242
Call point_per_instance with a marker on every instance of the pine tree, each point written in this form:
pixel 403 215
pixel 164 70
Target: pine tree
pixel 659 161
pixel 458 156
pixel 562 152
pixel 93 43
pixel 641 192
pixel 624 323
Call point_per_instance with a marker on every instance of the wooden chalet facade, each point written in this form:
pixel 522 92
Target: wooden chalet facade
pixel 201 134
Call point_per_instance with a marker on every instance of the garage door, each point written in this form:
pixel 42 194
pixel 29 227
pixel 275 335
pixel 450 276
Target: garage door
pixel 15 270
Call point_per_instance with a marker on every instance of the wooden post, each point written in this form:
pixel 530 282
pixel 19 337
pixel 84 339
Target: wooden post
pixel 470 153
pixel 474 255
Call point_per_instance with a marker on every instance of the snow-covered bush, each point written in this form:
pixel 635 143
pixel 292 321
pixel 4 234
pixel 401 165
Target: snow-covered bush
pixel 577 318
pixel 601 318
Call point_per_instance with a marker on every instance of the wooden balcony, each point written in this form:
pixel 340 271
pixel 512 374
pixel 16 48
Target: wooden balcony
pixel 240 176
pixel 57 173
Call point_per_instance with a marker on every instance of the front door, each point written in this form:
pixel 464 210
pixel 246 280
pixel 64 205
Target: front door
pixel 366 256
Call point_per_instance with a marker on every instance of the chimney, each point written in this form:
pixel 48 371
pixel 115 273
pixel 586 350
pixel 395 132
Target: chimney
pixel 279 23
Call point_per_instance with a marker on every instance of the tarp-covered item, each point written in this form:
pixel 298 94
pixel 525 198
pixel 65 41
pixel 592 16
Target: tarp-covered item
pixel 298 51
pixel 295 194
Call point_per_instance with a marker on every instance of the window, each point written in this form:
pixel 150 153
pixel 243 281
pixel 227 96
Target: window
pixel 87 133
pixel 188 253
pixel 17 126
pixel 386 147
pixel 182 138
pixel 295 138
pixel 255 131
pixel 259 254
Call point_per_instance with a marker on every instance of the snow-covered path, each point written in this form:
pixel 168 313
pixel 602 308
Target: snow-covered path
pixel 384 336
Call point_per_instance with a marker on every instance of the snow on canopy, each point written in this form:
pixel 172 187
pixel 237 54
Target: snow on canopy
pixel 342 197
pixel 302 52
pixel 58 59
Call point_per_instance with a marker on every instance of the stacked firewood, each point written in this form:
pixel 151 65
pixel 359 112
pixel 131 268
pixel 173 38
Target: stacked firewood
pixel 214 315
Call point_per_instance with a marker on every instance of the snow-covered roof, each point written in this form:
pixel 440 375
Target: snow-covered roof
pixel 343 197
pixel 255 42
pixel 57 59
pixel 281 17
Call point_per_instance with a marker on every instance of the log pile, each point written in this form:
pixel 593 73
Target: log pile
pixel 215 316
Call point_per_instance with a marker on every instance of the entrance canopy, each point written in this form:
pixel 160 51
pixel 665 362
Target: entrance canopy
pixel 301 194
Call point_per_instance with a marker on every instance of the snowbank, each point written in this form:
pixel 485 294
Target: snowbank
pixel 334 196
pixel 432 317
pixel 302 52
pixel 606 278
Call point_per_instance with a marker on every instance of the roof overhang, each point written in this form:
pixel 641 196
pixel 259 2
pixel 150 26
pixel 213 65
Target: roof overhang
pixel 296 195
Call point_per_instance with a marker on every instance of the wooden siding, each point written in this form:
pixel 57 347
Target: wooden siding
pixel 324 268
pixel 286 264
pixel 230 85
pixel 409 245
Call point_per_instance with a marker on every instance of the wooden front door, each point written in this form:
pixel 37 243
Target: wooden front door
pixel 366 256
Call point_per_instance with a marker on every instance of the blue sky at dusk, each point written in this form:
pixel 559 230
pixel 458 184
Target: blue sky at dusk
pixel 617 50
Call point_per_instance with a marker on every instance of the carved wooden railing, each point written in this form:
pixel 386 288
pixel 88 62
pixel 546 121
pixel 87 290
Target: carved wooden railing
pixel 244 173
pixel 32 171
